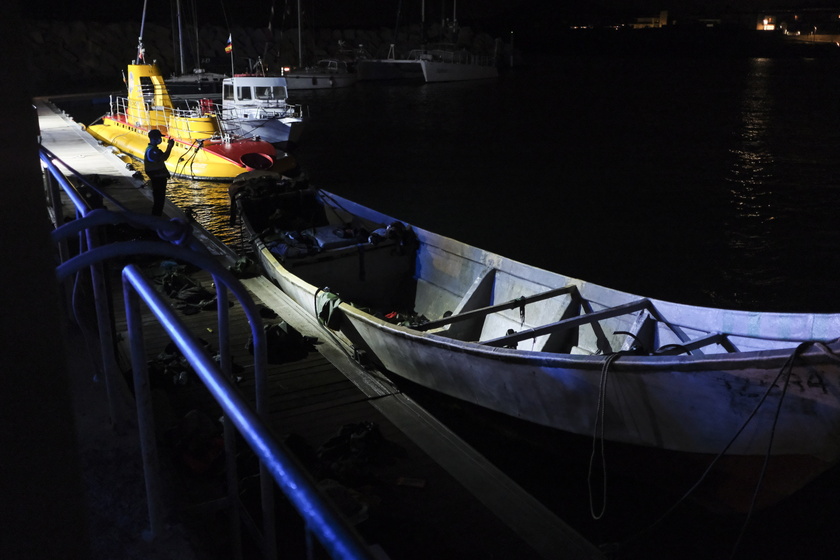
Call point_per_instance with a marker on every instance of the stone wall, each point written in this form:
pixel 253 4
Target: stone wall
pixel 71 57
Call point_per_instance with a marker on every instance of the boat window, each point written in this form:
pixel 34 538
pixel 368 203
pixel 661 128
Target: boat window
pixel 270 92
pixel 227 92
pixel 244 92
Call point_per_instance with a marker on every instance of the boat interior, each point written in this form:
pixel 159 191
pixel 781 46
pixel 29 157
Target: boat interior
pixel 560 320
pixel 435 289
pixel 366 262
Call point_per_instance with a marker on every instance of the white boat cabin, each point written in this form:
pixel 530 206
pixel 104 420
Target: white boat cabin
pixel 256 91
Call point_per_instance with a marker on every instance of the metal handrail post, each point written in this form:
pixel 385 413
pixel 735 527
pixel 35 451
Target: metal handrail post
pixel 51 186
pixel 102 304
pixel 145 415
pixel 55 202
pixel 266 481
pixel 232 480
pixel 226 365
pixel 223 326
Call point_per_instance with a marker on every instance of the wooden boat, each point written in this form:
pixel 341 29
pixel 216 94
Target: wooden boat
pixel 551 349
pixel 201 151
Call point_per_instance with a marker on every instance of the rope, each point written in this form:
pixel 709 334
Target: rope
pixel 194 149
pixel 785 371
pixel 789 366
pixel 598 438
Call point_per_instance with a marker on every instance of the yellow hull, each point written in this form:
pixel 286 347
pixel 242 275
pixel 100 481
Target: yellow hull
pixel 191 159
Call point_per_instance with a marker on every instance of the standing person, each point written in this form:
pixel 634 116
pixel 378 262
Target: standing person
pixel 155 161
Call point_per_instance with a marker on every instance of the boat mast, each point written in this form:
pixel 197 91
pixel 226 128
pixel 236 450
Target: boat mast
pixel 423 23
pixel 300 40
pixel 180 34
pixel 397 24
pixel 140 50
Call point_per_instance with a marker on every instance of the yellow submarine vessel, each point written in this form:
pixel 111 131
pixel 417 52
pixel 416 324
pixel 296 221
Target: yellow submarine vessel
pixel 201 150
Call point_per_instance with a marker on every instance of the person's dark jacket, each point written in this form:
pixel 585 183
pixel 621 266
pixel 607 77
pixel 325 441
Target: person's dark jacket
pixel 155 161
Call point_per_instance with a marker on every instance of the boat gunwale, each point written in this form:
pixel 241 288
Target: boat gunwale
pixel 628 362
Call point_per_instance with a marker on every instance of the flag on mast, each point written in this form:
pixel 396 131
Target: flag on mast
pixel 229 46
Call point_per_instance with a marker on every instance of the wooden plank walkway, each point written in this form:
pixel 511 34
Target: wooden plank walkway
pixel 427 493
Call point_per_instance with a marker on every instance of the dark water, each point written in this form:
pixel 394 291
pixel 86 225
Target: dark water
pixel 705 181
pixel 702 181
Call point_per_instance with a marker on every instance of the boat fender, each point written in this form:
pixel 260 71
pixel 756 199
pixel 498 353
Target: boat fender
pixel 327 303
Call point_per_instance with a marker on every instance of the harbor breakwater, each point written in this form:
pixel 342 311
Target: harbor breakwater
pixel 77 56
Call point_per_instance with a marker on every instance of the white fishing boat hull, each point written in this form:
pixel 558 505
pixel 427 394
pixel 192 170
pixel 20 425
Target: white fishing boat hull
pixel 693 403
pixel 283 133
pixel 730 395
pixel 257 106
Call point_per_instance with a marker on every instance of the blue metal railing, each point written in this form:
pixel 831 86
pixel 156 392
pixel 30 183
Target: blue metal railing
pixel 321 519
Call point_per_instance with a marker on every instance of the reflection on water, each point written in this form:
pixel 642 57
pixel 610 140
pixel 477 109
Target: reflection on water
pixel 749 228
pixel 209 204
pixel 782 191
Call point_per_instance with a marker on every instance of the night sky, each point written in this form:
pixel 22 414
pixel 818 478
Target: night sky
pixel 535 22
pixel 353 13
